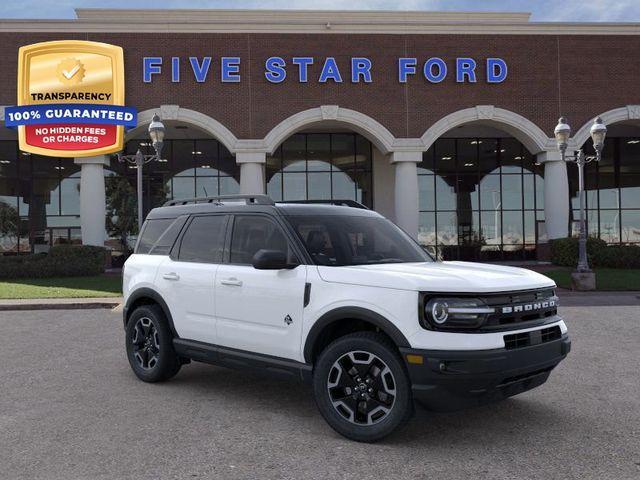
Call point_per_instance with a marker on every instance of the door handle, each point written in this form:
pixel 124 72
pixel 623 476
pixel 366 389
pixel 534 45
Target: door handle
pixel 171 276
pixel 233 282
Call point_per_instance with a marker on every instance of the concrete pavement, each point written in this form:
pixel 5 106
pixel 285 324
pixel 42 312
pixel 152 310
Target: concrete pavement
pixel 70 408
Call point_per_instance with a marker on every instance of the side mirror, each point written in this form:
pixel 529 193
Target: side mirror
pixel 271 260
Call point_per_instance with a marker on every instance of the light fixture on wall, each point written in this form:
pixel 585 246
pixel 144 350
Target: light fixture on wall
pixel 562 133
pixel 156 132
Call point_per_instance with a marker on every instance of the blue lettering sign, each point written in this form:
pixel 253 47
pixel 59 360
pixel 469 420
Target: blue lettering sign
pixel 428 70
pixel 330 71
pixel 496 70
pixel 303 64
pixel 200 71
pixel 175 69
pixel 230 70
pixel 360 67
pixel 275 69
pixel 151 66
pixel 406 66
pixel 465 67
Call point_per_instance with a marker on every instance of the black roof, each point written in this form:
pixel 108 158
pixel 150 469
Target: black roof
pixel 256 204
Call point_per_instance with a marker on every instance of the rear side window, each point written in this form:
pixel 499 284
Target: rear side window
pixel 151 232
pixel 168 238
pixel 203 240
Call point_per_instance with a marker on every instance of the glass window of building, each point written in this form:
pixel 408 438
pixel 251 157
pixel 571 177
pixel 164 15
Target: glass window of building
pixel 479 199
pixel 612 191
pixel 321 166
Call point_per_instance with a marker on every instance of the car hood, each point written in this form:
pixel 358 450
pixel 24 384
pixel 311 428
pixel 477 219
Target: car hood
pixel 454 277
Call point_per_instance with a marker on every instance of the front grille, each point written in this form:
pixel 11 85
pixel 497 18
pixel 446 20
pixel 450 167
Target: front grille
pixel 520 309
pixel 536 337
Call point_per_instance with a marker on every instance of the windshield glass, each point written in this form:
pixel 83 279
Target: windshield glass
pixel 337 240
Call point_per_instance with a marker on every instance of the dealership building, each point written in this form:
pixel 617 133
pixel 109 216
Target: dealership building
pixel 443 122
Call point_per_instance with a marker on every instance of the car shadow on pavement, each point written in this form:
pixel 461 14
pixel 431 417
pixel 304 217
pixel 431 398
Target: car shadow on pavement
pixel 505 421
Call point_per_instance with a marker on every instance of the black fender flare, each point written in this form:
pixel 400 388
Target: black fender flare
pixel 356 313
pixel 145 292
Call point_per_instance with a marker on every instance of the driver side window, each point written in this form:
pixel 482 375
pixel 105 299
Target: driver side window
pixel 252 233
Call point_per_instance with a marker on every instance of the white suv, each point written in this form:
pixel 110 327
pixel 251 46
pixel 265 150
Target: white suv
pixel 337 296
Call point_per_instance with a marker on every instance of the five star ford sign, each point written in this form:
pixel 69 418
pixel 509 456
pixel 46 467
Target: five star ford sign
pixel 71 99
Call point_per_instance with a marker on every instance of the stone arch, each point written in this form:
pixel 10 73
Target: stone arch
pixel 374 131
pixel 527 132
pixel 622 114
pixel 197 119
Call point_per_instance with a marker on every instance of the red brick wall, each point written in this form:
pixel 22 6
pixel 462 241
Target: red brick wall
pixel 578 76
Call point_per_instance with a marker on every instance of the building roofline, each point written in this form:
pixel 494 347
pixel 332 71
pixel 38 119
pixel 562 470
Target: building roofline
pixel 310 21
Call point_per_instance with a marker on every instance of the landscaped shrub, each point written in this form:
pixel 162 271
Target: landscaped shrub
pixel 564 252
pixel 61 261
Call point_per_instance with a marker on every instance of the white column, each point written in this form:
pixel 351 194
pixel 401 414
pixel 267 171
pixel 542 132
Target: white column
pixel 251 172
pixel 556 194
pixel 93 209
pixel 406 190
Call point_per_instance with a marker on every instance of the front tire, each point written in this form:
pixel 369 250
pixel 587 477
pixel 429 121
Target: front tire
pixel 362 388
pixel 149 344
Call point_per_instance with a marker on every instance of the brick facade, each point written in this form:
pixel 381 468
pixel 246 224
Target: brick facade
pixel 575 75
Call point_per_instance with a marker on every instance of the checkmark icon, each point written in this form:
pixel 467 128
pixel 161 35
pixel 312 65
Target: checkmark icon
pixel 71 73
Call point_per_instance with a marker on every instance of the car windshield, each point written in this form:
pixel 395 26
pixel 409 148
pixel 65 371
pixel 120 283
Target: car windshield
pixel 341 240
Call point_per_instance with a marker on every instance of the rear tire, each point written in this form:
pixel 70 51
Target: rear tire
pixel 149 344
pixel 361 387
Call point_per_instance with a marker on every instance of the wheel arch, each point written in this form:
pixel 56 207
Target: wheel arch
pixel 331 320
pixel 147 296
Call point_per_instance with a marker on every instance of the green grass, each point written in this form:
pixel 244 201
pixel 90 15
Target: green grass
pixel 69 287
pixel 607 279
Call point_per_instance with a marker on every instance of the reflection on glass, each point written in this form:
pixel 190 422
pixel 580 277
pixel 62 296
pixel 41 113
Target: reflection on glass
pixel 447 228
pixel 445 194
pixel 512 228
pixel 320 186
pixel 610 226
pixel 630 226
pixel 295 186
pixel 318 152
pixel 343 186
pixel 206 186
pixel 427 228
pixel 229 186
pixel 321 166
pixel 490 192
pixel 426 195
pixel 512 192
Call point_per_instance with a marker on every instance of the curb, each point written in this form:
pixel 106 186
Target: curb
pixel 8 307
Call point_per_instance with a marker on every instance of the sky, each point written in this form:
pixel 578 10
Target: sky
pixel 542 10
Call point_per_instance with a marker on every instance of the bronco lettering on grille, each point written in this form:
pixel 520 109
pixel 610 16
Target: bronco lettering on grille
pixel 529 307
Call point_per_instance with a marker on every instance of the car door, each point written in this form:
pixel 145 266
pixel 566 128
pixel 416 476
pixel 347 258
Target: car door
pixel 187 277
pixel 259 310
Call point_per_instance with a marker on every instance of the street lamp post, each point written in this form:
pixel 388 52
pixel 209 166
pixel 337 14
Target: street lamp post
pixel 562 133
pixel 156 133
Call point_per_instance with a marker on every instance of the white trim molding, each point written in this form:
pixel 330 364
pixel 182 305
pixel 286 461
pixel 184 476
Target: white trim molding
pixel 531 136
pixel 199 21
pixel 622 114
pixel 356 121
pixel 197 119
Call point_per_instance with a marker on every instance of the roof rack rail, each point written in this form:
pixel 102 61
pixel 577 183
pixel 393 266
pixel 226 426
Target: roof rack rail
pixel 220 199
pixel 338 202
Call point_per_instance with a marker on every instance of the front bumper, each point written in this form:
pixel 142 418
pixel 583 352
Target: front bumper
pixel 451 380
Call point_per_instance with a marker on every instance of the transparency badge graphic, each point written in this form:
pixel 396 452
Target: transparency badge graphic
pixel 70 99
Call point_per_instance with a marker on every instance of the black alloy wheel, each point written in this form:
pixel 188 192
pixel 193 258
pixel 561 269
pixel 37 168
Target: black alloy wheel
pixel 149 345
pixel 361 386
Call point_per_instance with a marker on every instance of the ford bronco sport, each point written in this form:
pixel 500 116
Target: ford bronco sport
pixel 338 296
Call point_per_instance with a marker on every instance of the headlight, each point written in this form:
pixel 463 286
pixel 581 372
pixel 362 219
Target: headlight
pixel 456 312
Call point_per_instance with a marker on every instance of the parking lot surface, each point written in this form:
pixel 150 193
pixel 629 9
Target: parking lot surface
pixel 70 408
